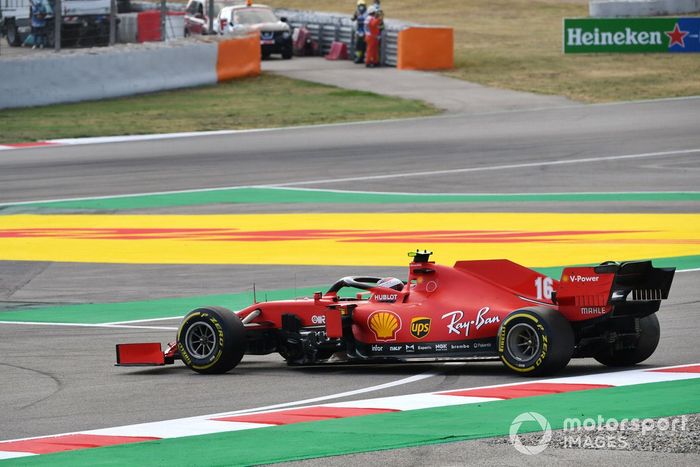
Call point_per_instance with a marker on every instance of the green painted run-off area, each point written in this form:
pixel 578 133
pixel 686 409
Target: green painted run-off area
pixel 263 195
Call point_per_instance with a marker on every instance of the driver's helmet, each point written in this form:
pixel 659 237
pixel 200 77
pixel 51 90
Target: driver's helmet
pixel 391 283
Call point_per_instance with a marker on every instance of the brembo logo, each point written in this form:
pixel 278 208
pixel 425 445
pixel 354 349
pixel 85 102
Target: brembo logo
pixel 579 278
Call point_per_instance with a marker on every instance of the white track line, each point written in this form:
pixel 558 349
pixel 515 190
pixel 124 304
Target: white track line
pixel 148 320
pixel 177 423
pixel 379 387
pixel 205 424
pixel 291 185
pixel 406 193
pixel 160 136
pixel 489 168
pixel 83 325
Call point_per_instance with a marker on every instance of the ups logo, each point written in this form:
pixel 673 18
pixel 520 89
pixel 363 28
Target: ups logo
pixel 420 327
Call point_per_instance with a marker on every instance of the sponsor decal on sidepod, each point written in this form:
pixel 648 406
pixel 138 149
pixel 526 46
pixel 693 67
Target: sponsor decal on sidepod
pixel 384 324
pixel 460 327
pixel 420 327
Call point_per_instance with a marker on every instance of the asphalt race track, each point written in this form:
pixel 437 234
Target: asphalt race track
pixel 56 379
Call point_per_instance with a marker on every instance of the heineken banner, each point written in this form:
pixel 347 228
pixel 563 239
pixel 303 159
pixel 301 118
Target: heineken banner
pixel 631 35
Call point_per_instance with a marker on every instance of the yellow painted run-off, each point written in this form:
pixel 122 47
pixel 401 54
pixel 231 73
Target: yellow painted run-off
pixel 380 239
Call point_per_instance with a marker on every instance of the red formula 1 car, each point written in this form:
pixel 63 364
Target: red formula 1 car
pixel 474 310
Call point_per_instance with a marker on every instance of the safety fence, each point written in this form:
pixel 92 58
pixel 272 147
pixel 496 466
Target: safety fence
pixel 58 23
pixel 88 23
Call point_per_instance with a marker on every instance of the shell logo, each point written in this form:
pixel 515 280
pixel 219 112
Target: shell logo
pixel 384 325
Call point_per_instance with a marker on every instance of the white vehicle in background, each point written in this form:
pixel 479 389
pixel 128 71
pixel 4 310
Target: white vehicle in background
pixel 197 15
pixel 275 33
pixel 84 22
pixel 14 19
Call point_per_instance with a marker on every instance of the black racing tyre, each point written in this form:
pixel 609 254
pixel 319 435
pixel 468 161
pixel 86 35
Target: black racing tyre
pixel 535 341
pixel 13 38
pixel 211 340
pixel 649 334
pixel 287 54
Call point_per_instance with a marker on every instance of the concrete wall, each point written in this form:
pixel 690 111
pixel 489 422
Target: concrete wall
pixel 111 73
pixel 630 8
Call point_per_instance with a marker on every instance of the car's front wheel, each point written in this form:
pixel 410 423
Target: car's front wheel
pixel 535 341
pixel 211 340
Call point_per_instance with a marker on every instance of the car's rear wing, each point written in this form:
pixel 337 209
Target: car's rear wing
pixel 633 287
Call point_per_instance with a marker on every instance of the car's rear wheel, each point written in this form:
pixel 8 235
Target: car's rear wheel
pixel 211 340
pixel 535 341
pixel 649 333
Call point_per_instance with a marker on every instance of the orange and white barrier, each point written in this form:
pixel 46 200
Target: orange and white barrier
pixel 116 73
pixel 238 58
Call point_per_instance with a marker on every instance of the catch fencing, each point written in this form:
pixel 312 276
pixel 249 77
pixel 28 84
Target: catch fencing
pixel 88 23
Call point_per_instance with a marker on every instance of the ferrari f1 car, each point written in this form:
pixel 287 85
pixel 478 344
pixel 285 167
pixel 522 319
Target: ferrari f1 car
pixel 475 310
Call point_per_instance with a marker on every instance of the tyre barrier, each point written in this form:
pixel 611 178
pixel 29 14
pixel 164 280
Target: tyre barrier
pixel 127 31
pixel 339 51
pixel 125 71
pixel 148 27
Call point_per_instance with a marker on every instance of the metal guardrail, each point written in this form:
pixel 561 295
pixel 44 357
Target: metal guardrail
pixel 390 47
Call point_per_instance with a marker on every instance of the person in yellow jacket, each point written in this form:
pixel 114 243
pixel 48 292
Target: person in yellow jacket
pixel 359 17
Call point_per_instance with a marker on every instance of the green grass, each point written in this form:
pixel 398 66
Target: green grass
pixel 516 44
pixel 265 101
